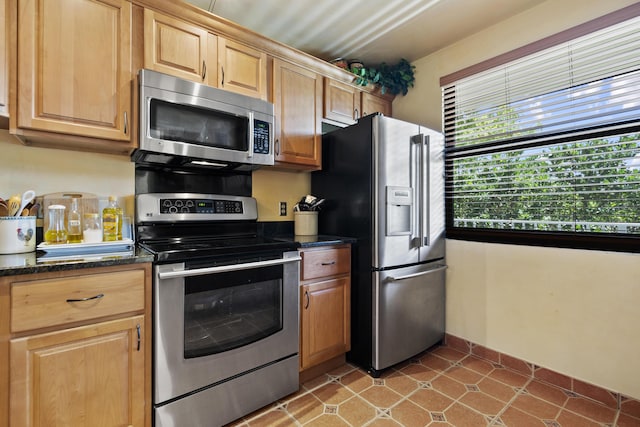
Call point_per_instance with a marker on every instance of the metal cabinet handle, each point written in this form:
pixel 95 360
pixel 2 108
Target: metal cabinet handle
pixel 222 82
pixel 138 330
pixel 356 114
pixel 126 123
pixel 277 146
pixel 306 294
pixel 204 69
pixel 85 299
pixel 328 263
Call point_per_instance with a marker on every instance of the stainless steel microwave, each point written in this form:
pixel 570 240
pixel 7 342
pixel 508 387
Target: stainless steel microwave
pixel 184 123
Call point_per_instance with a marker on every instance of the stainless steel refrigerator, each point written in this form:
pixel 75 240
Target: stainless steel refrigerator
pixel 383 182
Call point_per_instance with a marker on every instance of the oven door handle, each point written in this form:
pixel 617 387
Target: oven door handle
pixel 226 268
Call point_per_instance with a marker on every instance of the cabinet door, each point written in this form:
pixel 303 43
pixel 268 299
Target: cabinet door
pixel 175 47
pixel 75 76
pixel 92 376
pixel 325 323
pixel 341 102
pixel 298 109
pixel 4 64
pixel 375 104
pixel 242 69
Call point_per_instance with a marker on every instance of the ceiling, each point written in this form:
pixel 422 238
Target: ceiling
pixel 373 31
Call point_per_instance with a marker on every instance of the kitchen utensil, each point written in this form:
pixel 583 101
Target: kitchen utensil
pixel 4 210
pixel 14 205
pixel 27 197
pixel 33 210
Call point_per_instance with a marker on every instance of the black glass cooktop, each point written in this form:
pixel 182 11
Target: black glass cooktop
pixel 180 249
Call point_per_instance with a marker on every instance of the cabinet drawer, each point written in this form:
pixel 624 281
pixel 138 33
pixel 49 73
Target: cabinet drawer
pixel 50 302
pixel 325 262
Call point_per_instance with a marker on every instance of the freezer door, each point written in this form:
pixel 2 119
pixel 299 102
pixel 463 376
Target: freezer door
pixel 408 312
pixel 396 170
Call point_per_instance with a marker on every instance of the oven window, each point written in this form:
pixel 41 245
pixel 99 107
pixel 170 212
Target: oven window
pixel 197 125
pixel 228 310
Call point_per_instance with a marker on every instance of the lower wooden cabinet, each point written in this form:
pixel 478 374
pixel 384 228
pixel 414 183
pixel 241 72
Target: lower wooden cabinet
pixel 88 376
pixel 325 304
pixel 75 348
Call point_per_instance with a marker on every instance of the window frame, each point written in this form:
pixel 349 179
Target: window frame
pixel 576 240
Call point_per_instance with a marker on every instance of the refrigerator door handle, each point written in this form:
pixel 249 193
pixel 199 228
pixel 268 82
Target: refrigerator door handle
pixel 416 183
pixel 422 273
pixel 424 193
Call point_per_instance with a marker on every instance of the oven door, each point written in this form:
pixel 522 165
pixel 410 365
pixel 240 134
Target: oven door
pixel 213 323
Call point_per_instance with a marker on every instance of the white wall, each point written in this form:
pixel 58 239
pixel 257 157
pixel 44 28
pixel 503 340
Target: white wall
pixel 572 311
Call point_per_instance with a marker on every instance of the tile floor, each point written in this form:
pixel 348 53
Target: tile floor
pixel 441 387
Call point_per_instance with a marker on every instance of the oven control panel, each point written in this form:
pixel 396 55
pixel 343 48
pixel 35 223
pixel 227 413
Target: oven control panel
pixel 201 206
pixel 155 207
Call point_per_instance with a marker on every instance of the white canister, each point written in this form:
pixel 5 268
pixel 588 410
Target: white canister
pixel 17 234
pixel 305 223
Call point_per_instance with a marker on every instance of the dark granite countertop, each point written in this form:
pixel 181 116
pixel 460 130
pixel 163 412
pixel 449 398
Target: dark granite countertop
pixel 39 262
pixel 318 240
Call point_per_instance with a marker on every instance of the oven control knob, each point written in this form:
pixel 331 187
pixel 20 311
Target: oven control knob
pixel 179 203
pixel 184 209
pixel 173 209
pixel 189 203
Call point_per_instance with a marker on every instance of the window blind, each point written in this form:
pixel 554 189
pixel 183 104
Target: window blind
pixel 550 141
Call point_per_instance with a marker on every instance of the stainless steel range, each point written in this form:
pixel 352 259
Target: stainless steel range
pixel 225 304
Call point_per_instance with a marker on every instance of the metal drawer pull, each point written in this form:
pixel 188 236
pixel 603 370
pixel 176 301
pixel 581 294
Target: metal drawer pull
pixel 138 328
pixel 306 294
pixel 328 263
pixel 422 273
pixel 204 69
pixel 86 299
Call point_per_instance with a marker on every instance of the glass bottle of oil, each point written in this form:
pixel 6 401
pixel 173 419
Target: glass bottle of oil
pixel 112 221
pixel 74 223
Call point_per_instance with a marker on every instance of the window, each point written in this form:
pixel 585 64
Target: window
pixel 545 148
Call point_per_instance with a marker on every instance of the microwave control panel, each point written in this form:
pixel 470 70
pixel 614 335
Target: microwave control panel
pixel 260 137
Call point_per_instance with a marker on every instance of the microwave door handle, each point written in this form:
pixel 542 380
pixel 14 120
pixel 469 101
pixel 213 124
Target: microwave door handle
pixel 251 135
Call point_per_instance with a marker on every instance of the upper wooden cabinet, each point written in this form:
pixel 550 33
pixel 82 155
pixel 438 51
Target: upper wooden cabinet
pixel 297 98
pixel 341 101
pixel 345 103
pixel 74 73
pixel 371 103
pixel 4 64
pixel 242 69
pixel 178 48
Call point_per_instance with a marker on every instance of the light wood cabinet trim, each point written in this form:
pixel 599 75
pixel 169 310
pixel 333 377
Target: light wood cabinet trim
pixel 242 69
pixel 26 369
pixel 4 65
pixel 325 263
pixel 40 303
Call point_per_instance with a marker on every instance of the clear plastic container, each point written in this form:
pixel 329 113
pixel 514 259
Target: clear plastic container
pixel 92 229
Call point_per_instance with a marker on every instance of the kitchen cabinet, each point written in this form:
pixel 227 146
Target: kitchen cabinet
pixel 371 103
pixel 325 304
pixel 74 85
pixel 345 103
pixel 175 47
pixel 4 64
pixel 242 69
pixel 297 99
pixel 78 347
pixel 341 101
